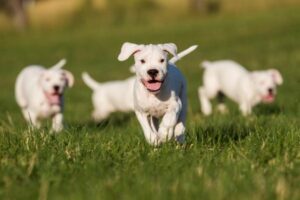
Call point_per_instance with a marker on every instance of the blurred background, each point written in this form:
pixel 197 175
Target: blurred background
pixel 26 14
pixel 259 34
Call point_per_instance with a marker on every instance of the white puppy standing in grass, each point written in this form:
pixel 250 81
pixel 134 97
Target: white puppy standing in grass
pixel 39 93
pixel 110 96
pixel 117 96
pixel 159 91
pixel 229 78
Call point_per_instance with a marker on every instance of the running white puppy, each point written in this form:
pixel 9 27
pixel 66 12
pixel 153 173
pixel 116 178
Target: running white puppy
pixel 229 78
pixel 159 91
pixel 117 96
pixel 39 93
pixel 110 97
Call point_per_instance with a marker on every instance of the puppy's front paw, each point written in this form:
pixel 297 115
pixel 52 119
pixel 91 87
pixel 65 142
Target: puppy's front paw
pixel 154 141
pixel 170 120
pixel 55 109
pixel 57 128
pixel 222 109
pixel 165 133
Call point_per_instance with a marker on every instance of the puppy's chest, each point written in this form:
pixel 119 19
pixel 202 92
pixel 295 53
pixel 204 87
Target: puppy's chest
pixel 156 108
pixel 47 110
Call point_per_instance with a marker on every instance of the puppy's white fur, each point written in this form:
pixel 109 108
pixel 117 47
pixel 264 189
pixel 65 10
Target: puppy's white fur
pixel 39 93
pixel 234 81
pixel 110 97
pixel 116 96
pixel 160 96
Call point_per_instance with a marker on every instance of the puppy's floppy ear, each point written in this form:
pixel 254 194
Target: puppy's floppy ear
pixel 60 64
pixel 170 48
pixel 276 76
pixel 69 78
pixel 128 49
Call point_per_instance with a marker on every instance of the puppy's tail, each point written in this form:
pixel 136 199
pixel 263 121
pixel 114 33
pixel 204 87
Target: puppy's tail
pixel 182 54
pixel 91 83
pixel 205 64
pixel 60 64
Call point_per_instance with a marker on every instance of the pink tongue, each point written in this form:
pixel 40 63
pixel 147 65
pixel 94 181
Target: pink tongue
pixel 269 98
pixel 153 86
pixel 54 99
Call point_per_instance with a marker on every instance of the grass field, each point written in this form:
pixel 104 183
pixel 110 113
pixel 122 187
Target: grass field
pixel 225 157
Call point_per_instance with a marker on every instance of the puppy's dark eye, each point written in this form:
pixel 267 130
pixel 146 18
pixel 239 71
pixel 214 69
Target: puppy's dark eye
pixel 143 61
pixel 162 60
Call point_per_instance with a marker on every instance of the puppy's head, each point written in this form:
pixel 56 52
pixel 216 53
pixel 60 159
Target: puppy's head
pixel 54 81
pixel 151 62
pixel 266 83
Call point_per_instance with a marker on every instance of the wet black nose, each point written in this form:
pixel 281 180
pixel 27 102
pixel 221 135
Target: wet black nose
pixel 56 88
pixel 270 90
pixel 152 73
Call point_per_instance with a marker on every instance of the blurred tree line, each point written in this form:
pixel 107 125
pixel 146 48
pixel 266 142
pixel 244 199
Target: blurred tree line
pixel 16 10
pixel 207 6
pixel 119 10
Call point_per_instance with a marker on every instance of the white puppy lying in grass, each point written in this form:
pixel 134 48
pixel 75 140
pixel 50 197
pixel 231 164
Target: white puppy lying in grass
pixel 229 78
pixel 39 93
pixel 159 91
pixel 117 96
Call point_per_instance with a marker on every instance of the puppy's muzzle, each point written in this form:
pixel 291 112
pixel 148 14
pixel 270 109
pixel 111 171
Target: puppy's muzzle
pixel 152 73
pixel 270 97
pixel 56 88
pixel 271 91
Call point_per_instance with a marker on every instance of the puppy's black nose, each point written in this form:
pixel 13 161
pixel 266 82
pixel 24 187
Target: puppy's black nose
pixel 152 73
pixel 56 88
pixel 270 90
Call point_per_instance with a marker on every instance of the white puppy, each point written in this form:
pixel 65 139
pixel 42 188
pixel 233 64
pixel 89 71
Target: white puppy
pixel 39 93
pixel 110 97
pixel 229 78
pixel 159 91
pixel 116 96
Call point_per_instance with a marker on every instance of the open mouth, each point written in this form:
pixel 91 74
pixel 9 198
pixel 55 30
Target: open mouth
pixel 54 98
pixel 152 85
pixel 268 98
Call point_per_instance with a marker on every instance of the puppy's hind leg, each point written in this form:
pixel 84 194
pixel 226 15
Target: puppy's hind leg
pixel 221 103
pixel 99 116
pixel 179 130
pixel 246 109
pixel 205 104
pixel 102 106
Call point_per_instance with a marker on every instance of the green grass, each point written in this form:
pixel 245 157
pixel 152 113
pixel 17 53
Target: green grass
pixel 225 157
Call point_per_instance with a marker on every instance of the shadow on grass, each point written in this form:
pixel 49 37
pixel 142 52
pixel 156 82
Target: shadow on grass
pixel 268 109
pixel 115 120
pixel 223 133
